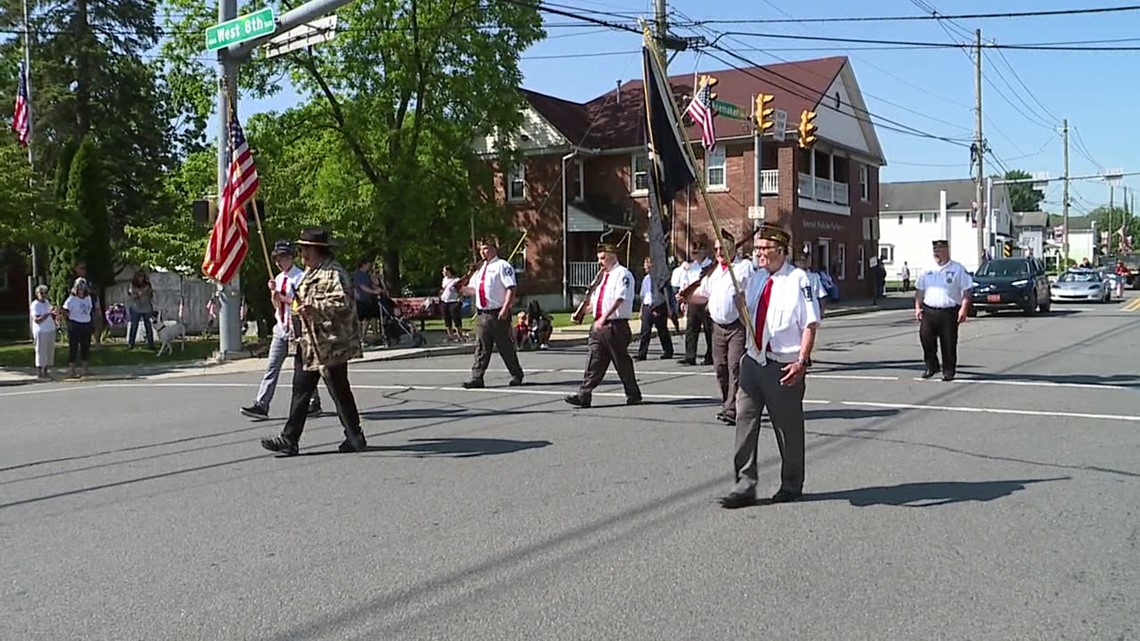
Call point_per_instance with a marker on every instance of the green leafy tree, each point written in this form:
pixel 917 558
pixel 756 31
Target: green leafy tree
pixel 1112 219
pixel 1022 196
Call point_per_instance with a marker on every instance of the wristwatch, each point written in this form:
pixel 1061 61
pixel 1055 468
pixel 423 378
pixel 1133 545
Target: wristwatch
pixel 803 361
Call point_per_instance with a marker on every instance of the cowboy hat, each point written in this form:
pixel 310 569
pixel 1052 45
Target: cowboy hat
pixel 315 237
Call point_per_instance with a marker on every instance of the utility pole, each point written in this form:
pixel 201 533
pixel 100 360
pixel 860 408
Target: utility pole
pixel 980 150
pixel 229 295
pixel 662 19
pixel 1065 193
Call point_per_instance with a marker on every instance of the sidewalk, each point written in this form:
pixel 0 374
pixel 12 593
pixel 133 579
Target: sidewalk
pixel 575 335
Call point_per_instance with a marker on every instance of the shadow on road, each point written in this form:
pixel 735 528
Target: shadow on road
pixel 914 364
pixel 929 494
pixel 460 447
pixel 846 414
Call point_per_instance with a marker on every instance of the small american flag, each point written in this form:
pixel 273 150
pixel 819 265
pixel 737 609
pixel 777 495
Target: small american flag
pixel 229 239
pixel 700 110
pixel 20 115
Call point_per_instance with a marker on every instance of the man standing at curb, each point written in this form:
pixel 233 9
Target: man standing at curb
pixel 612 305
pixel 282 289
pixel 780 300
pixel 493 286
pixel 329 338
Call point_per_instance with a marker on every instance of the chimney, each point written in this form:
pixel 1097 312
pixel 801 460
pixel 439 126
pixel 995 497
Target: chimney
pixel 618 91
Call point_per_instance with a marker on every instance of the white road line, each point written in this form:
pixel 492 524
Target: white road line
pixel 578 370
pixel 991 410
pixel 983 381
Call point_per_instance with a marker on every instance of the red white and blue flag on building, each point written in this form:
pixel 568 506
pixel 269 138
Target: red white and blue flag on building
pixel 701 111
pixel 21 115
pixel 229 239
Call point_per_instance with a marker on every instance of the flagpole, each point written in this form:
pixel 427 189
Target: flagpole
pixel 35 277
pixel 678 117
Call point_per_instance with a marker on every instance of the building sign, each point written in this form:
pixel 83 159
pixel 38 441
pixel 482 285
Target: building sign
pixel 826 225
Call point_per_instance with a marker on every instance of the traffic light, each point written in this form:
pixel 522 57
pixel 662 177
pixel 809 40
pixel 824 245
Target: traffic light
pixel 709 82
pixel 807 129
pixel 763 113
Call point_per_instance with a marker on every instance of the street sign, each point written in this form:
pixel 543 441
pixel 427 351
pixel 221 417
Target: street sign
pixel 306 35
pixel 780 125
pixel 1040 180
pixel 247 27
pixel 729 110
pixel 756 212
pixel 1113 176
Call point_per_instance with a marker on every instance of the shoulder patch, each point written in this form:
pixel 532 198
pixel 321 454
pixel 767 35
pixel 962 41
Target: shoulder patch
pixel 807 290
pixel 625 281
pixel 508 270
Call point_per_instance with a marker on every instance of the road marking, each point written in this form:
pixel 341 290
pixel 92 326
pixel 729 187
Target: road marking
pixel 991 410
pixel 1132 305
pixel 983 381
pixel 566 370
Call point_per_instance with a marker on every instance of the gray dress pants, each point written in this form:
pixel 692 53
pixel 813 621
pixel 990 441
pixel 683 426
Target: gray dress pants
pixel 760 388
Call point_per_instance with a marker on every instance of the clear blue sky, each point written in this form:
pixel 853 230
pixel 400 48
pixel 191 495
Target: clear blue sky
pixel 928 89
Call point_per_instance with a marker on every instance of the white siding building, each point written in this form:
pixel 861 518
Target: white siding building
pixel 910 219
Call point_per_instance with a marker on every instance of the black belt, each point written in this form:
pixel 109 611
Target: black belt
pixel 494 312
pixel 940 309
pixel 615 320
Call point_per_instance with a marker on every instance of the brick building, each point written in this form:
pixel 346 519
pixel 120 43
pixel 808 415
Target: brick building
pixel 583 177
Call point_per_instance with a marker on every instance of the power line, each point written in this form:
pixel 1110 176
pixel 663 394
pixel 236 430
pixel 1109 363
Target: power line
pixel 1059 46
pixel 964 16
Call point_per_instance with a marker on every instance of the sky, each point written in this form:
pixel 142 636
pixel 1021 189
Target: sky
pixel 1025 93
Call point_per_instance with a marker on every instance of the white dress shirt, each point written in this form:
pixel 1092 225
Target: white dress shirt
pixel 647 290
pixel 616 284
pixel 944 286
pixel 495 278
pixel 285 283
pixel 717 287
pixel 678 277
pixel 791 310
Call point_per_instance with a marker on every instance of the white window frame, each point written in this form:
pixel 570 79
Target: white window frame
pixel 634 173
pixel 579 194
pixel 841 261
pixel 516 176
pixel 862 271
pixel 864 183
pixel 890 257
pixel 714 160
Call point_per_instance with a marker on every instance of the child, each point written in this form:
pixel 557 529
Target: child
pixel 522 330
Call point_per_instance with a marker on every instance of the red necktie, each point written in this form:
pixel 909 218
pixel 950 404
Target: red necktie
pixel 601 295
pixel 762 314
pixel 483 288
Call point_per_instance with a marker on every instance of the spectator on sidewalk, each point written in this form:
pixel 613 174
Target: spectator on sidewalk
pixel 141 308
pixel 905 273
pixel 79 311
pixel 43 332
pixel 96 307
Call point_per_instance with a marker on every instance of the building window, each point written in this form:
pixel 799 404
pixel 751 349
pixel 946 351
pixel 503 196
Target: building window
pixel 714 168
pixel 640 173
pixel 838 101
pixel 865 184
pixel 841 262
pixel 516 182
pixel 887 253
pixel 900 220
pixel 931 217
pixel 578 183
pixel 862 269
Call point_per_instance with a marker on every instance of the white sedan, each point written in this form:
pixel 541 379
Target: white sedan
pixel 1082 285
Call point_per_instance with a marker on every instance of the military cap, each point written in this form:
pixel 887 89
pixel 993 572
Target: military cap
pixel 282 248
pixel 941 244
pixel 771 231
pixel 607 247
pixel 727 237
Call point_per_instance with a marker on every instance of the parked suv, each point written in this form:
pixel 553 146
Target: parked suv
pixel 1012 283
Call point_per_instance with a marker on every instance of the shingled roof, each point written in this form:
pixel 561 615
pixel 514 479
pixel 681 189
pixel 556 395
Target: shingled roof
pixel 615 120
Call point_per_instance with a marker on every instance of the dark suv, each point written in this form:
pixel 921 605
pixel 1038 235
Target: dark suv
pixel 1011 283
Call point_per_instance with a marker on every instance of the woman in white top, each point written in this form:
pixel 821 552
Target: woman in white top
pixel 452 304
pixel 43 332
pixel 78 308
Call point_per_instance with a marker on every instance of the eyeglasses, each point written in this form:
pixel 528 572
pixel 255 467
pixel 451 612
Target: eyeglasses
pixel 767 248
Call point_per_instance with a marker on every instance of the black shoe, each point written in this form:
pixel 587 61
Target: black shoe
pixel 577 401
pixel 948 376
pixel 665 357
pixel 315 409
pixel 687 361
pixel 634 400
pixel 256 411
pixel 639 357
pixel 473 384
pixel 735 501
pixel 280 444
pixel 930 372
pixel 353 444
pixel 516 381
pixel 786 496
pixel 707 361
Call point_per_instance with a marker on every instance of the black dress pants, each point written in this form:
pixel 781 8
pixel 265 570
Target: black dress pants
pixel 655 318
pixel 305 385
pixel 939 325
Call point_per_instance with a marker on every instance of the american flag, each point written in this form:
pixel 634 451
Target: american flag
pixel 700 110
pixel 20 115
pixel 229 239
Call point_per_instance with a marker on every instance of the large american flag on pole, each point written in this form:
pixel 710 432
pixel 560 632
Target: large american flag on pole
pixel 21 114
pixel 229 239
pixel 700 110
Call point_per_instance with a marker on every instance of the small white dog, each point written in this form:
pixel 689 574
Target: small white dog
pixel 167 332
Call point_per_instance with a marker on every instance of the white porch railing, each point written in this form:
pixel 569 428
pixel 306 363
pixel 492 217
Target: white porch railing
pixel 839 192
pixel 823 190
pixel 770 182
pixel 581 274
pixel 807 187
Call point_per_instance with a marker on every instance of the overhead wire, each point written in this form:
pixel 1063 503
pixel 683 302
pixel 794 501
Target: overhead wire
pixel 964 16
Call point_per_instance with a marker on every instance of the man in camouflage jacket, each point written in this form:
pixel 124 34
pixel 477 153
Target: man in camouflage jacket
pixel 327 332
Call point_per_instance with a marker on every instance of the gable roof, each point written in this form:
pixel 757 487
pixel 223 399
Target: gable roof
pixel 615 119
pixel 923 195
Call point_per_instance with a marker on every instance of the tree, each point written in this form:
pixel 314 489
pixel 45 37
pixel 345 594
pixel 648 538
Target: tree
pixel 395 102
pixel 86 236
pixel 1022 196
pixel 1112 220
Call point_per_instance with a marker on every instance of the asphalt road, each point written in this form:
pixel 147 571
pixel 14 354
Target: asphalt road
pixel 1002 506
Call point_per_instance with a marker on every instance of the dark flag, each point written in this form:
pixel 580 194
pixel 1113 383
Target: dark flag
pixel 670 169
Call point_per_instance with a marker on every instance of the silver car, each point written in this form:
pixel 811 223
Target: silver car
pixel 1082 285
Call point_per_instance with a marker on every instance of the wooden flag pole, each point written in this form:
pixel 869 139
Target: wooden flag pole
pixel 739 298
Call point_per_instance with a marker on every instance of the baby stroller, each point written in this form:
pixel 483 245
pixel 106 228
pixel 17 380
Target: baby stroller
pixel 393 326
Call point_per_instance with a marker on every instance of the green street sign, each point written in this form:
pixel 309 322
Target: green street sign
pixel 729 110
pixel 247 27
